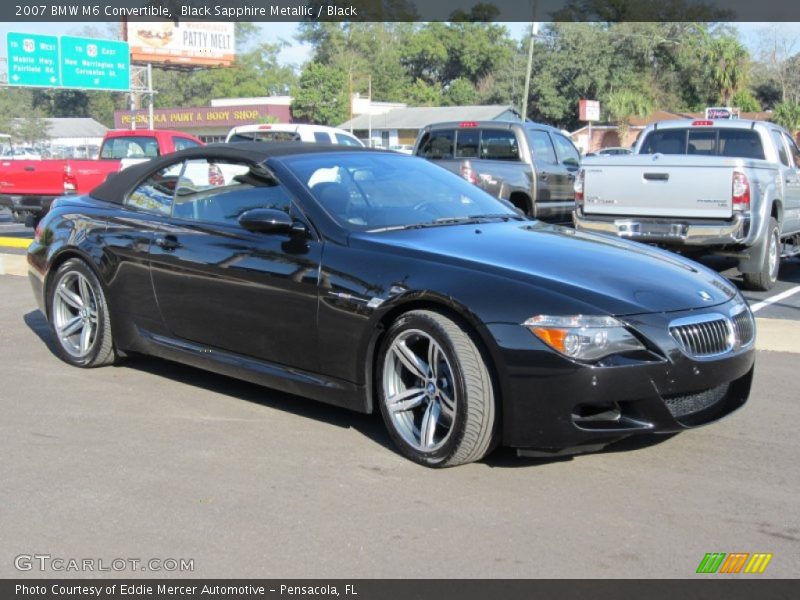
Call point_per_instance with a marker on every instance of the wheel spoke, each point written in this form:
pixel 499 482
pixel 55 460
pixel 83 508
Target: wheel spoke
pixel 411 361
pixel 86 337
pixel 434 355
pixel 447 404
pixel 428 426
pixel 71 298
pixel 85 292
pixel 70 327
pixel 405 400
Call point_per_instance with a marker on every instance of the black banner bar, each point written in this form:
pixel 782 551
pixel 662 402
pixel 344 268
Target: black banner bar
pixel 707 588
pixel 400 10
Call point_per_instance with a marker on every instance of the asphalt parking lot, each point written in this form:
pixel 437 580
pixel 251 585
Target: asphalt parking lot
pixel 155 460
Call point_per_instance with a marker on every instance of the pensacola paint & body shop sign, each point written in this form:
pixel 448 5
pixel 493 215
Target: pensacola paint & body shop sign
pixel 224 116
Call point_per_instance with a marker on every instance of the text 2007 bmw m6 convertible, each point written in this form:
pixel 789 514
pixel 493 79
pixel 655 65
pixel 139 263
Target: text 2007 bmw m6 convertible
pixel 376 281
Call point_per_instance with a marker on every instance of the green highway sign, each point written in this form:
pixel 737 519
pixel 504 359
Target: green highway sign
pixel 95 64
pixel 33 60
pixel 68 62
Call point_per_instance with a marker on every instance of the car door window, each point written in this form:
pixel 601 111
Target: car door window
pixel 182 143
pixel 131 146
pixel 155 193
pixel 542 148
pixel 346 140
pixel 782 155
pixel 220 191
pixel 499 144
pixel 322 137
pixel 793 149
pixel 566 152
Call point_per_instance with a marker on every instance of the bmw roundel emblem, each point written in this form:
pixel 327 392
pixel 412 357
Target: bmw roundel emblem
pixel 704 295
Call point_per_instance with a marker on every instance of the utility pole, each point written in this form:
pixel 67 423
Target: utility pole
pixel 534 31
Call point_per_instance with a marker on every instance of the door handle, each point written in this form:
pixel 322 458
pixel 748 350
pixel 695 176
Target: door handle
pixel 168 243
pixel 656 176
pixel 30 168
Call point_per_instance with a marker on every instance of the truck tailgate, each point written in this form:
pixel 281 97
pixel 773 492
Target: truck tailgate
pixel 32 177
pixel 660 185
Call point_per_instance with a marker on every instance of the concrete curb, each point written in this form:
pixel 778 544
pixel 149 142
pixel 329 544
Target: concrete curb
pixel 14 242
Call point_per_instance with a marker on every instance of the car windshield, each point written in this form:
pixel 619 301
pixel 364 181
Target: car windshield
pixel 368 191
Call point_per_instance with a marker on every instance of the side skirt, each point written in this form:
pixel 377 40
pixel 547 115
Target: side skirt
pixel 286 379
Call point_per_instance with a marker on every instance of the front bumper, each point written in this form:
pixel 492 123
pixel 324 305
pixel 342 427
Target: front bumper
pixel 551 403
pixel 672 231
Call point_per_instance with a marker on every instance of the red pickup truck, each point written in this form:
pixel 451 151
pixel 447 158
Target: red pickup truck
pixel 28 187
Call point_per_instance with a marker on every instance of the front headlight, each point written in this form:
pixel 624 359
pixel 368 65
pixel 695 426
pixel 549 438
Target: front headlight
pixel 583 337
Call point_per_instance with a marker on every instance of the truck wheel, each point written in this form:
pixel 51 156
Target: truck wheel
pixel 435 391
pixel 768 275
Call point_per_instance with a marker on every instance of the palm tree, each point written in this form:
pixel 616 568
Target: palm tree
pixel 729 64
pixel 787 114
pixel 623 105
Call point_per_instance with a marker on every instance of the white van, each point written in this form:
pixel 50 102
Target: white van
pixel 288 132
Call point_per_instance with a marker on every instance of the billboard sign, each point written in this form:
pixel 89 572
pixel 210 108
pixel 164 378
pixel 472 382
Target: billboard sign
pixel 95 64
pixel 189 43
pixel 589 110
pixel 33 60
pixel 720 112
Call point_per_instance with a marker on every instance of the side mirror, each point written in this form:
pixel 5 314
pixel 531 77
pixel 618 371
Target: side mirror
pixel 270 220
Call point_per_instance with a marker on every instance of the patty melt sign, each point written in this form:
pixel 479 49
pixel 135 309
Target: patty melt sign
pixel 183 43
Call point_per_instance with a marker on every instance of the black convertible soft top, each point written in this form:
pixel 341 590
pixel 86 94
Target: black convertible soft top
pixel 117 186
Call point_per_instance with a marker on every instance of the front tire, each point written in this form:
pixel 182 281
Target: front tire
pixel 764 279
pixel 79 318
pixel 435 391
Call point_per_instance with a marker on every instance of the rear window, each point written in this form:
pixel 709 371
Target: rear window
pixel 437 145
pixel 734 143
pixel 130 146
pixel 264 136
pixel 499 144
pixel 467 143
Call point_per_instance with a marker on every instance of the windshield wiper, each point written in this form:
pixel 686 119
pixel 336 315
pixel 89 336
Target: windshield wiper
pixel 472 219
pixel 443 221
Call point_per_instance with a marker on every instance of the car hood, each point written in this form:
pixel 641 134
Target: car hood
pixel 616 276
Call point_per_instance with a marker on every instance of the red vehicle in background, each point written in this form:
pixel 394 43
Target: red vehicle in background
pixel 28 187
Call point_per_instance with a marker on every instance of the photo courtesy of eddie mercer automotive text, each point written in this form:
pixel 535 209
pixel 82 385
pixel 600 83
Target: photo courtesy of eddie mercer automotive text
pixel 383 283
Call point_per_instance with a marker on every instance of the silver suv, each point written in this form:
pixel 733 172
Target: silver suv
pixel 531 165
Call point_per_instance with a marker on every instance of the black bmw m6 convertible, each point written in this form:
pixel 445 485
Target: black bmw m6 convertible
pixel 381 282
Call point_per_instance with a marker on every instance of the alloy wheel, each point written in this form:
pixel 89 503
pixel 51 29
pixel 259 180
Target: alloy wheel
pixel 75 314
pixel 419 390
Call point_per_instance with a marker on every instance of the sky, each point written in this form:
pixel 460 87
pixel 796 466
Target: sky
pixel 296 53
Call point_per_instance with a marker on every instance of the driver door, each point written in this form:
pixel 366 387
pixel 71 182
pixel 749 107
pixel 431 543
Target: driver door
pixel 224 287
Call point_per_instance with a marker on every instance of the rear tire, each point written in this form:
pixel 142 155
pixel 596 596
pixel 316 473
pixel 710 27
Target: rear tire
pixel 441 415
pixel 764 279
pixel 79 317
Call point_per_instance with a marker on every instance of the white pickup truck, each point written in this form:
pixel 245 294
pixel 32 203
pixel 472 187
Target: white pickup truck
pixel 719 187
